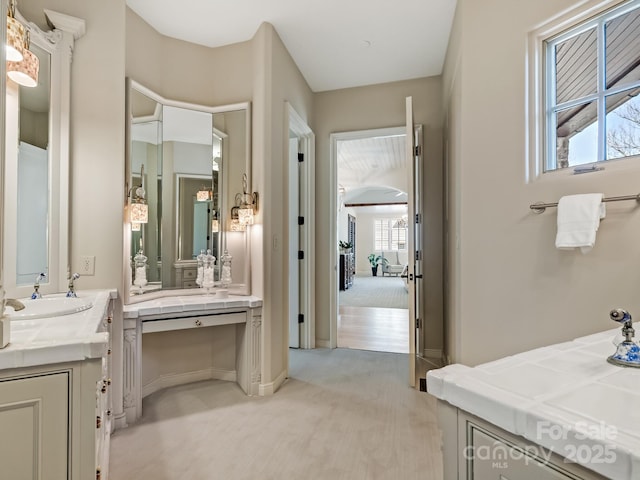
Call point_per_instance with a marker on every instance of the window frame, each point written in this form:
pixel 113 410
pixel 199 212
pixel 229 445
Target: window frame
pixel 388 222
pixel 551 107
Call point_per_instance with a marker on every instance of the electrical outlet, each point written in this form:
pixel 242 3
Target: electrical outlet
pixel 87 265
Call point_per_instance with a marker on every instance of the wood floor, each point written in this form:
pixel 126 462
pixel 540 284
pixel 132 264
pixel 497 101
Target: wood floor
pixel 375 329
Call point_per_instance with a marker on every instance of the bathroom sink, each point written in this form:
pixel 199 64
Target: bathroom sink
pixel 49 307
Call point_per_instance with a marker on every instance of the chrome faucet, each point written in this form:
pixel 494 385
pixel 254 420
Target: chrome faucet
pixel 628 351
pixel 36 286
pixel 13 303
pixel 72 291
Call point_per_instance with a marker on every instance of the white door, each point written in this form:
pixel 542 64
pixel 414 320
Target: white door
pixel 294 245
pixel 414 274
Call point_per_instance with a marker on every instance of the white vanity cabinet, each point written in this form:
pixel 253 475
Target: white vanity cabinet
pixel 500 420
pixel 477 450
pixel 55 399
pixel 190 338
pixel 34 439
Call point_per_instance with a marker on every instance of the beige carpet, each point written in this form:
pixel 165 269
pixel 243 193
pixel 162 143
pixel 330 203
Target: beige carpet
pixel 343 414
pixel 378 292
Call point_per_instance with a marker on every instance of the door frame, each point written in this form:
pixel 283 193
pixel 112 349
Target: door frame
pixel 306 144
pixel 333 224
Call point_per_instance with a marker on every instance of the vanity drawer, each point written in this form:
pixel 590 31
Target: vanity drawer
pixel 189 273
pixel 168 324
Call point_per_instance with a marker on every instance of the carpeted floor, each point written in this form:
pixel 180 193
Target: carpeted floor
pixel 342 415
pixel 377 292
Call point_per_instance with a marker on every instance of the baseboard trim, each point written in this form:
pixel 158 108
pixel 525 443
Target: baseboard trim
pixel 174 379
pixel 270 388
pixel 323 344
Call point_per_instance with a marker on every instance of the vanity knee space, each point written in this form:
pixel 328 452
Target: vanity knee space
pixel 168 349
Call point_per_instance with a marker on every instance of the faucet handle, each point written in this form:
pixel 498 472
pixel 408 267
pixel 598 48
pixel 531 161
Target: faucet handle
pixel 36 286
pixel 620 315
pixel 72 292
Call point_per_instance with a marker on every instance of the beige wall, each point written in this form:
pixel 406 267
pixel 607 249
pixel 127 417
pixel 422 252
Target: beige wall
pixel 277 80
pixel 511 290
pixel 371 107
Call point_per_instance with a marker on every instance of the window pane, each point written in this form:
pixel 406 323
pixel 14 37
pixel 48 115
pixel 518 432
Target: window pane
pixel 577 135
pixel 576 66
pixel 623 124
pixel 623 49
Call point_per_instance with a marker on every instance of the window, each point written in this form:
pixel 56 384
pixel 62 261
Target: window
pixel 390 234
pixel 592 87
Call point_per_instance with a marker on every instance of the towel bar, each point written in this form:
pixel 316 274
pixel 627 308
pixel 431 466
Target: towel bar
pixel 541 207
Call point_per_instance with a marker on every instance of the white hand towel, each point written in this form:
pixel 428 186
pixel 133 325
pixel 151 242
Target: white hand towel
pixel 578 221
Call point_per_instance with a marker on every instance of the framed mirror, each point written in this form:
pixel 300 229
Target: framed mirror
pixel 36 179
pixel 188 160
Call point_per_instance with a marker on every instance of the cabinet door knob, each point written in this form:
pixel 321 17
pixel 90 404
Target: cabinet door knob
pixel 109 319
pixel 98 422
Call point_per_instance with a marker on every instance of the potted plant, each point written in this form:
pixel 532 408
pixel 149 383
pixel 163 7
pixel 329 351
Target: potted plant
pixel 376 260
pixel 345 246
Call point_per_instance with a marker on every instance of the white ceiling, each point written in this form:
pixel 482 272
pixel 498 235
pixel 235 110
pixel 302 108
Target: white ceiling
pixel 335 43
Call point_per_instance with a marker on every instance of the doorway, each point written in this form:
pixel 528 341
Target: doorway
pixel 372 177
pixel 301 236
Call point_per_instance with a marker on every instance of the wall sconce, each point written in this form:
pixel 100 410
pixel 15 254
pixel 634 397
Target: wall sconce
pixel 138 208
pixel 25 72
pixel 236 226
pixel 15 36
pixel 203 195
pixel 246 203
pixel 215 224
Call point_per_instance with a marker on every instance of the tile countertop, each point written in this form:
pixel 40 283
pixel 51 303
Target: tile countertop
pixel 188 303
pixel 565 397
pixel 67 338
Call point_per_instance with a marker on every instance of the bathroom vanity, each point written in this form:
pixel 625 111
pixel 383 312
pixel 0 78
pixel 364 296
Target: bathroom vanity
pixel 55 398
pixel 174 340
pixel 558 412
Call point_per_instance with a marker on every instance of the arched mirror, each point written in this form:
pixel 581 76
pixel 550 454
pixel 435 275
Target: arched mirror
pixel 36 180
pixel 187 161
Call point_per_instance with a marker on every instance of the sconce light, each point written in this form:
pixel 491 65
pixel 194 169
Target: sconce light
pixel 138 208
pixel 236 226
pixel 203 195
pixel 25 72
pixel 215 224
pixel 15 35
pixel 246 203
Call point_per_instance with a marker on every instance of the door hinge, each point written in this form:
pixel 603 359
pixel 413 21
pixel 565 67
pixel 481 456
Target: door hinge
pixel 300 220
pixel 301 157
pixel 418 150
pixel 418 218
pixel 301 318
pixel 300 254
pixel 418 255
pixel 418 323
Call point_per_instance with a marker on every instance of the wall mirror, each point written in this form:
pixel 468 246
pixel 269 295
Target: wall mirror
pixel 188 160
pixel 36 180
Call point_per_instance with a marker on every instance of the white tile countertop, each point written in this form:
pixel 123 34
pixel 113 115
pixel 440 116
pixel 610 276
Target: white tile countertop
pixel 565 397
pixel 188 303
pixel 58 339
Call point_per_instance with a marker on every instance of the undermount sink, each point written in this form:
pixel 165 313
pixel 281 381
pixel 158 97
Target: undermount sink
pixel 49 307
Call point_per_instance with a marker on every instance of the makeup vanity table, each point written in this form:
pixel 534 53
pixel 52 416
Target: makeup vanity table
pixel 239 362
